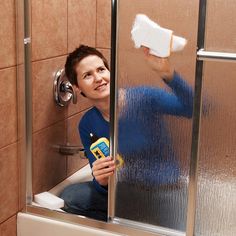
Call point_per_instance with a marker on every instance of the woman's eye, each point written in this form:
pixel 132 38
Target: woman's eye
pixel 101 69
pixel 87 76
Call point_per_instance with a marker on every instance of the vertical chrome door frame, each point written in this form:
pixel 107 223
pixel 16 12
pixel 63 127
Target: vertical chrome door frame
pixel 28 101
pixel 192 187
pixel 113 106
pixel 113 135
pixel 202 55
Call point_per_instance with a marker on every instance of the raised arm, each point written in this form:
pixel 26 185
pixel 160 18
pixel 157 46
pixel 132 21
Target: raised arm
pixel 177 102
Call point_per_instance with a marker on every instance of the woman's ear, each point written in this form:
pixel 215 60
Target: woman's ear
pixel 83 94
pixel 78 90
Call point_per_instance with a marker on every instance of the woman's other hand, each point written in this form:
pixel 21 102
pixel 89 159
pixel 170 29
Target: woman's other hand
pixel 159 64
pixel 102 169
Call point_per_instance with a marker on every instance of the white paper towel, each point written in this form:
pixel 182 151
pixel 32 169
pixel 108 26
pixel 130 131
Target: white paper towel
pixel 159 40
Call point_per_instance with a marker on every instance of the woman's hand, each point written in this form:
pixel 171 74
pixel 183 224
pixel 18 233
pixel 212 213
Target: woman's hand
pixel 102 169
pixel 159 64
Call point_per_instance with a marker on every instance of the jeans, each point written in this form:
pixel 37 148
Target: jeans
pixel 84 199
pixel 161 205
pixel 164 207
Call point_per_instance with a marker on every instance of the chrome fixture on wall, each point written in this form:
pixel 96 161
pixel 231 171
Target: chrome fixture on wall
pixel 63 90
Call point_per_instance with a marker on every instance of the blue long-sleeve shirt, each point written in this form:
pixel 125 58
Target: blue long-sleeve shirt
pixel 143 141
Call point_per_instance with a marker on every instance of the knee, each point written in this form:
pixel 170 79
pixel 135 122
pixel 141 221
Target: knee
pixel 75 196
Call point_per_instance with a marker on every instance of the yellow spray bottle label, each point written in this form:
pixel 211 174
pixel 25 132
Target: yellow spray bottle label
pixel 100 149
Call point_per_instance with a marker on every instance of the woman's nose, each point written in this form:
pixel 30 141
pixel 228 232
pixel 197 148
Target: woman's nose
pixel 97 77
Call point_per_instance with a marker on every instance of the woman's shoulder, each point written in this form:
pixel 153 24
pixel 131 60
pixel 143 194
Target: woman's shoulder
pixel 89 115
pixel 91 118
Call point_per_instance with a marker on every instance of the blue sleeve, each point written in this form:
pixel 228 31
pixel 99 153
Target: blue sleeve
pixel 179 102
pixel 85 139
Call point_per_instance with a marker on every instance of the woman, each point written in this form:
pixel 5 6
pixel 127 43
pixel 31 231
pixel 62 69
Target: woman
pixel 87 69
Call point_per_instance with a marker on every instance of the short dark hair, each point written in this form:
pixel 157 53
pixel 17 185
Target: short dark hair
pixel 76 56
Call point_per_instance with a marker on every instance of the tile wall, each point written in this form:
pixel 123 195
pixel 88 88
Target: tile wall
pixel 57 27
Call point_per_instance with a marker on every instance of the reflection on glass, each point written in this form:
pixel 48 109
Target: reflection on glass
pixel 217 166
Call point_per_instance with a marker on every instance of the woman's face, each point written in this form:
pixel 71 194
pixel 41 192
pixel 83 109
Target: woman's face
pixel 93 78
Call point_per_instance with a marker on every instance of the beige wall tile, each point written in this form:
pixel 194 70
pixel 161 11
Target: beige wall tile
pixel 106 53
pixel 45 110
pixel 49 28
pixel 81 23
pixel 49 167
pixel 22 172
pixel 82 104
pixel 74 162
pixel 19 32
pixel 8 121
pixel 103 24
pixel 20 88
pixel 220 26
pixel 8 228
pixel 9 182
pixel 7 33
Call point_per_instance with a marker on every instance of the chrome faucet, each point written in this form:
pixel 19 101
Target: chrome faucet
pixel 63 90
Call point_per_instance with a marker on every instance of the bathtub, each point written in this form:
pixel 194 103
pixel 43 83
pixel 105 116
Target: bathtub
pixel 40 221
pixel 29 224
pixel 82 175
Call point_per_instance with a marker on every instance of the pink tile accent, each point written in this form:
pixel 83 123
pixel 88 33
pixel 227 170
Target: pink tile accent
pixel 74 162
pixel 81 23
pixel 9 182
pixel 103 24
pixel 7 34
pixel 49 167
pixel 8 228
pixel 45 110
pixel 49 28
pixel 8 121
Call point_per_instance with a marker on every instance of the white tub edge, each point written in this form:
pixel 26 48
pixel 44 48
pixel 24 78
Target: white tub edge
pixel 28 225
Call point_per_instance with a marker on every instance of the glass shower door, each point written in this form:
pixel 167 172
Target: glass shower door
pixel 216 195
pixel 156 151
pixel 151 185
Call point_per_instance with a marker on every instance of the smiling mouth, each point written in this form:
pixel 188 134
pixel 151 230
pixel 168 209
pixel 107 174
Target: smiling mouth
pixel 100 87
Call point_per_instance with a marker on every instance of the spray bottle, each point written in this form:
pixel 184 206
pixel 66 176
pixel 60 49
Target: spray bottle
pixel 100 149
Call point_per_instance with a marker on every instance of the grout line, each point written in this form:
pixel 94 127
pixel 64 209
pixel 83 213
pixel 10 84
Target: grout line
pixel 104 48
pixel 8 67
pixel 9 144
pixel 9 217
pixel 59 121
pixel 48 58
